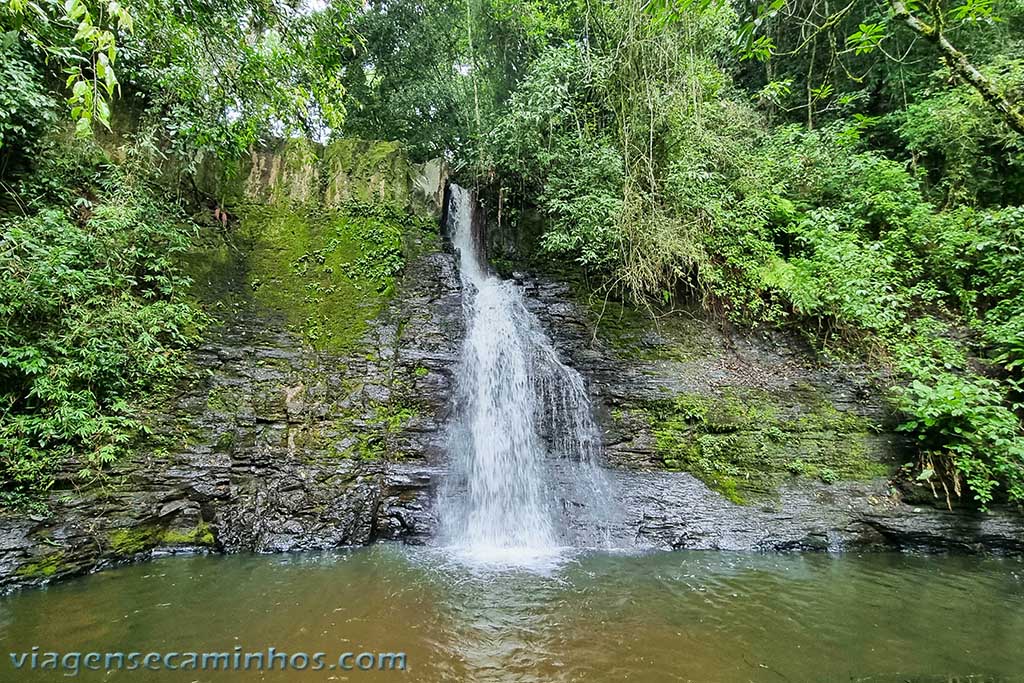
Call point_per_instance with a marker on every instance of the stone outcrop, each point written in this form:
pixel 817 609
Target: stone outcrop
pixel 302 172
pixel 726 439
pixel 275 441
pixel 272 446
pixel 318 421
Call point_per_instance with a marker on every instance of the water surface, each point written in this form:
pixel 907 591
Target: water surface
pixel 687 616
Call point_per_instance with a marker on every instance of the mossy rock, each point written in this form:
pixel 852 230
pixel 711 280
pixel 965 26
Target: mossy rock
pixel 201 534
pixel 635 333
pixel 365 170
pixel 745 443
pixel 301 172
pixel 133 540
pixel 45 567
pixel 321 235
pixel 372 439
pixel 222 399
pixel 326 273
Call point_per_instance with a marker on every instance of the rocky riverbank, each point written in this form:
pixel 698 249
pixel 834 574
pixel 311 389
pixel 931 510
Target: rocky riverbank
pixel 731 440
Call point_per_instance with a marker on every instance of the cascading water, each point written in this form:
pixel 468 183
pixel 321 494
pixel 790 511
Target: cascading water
pixel 523 444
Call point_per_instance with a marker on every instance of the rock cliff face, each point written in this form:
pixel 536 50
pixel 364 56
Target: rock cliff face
pixel 315 410
pixel 735 441
pixel 316 413
pixel 721 438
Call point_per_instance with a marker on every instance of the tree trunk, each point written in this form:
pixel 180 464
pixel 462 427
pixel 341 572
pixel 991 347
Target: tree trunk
pixel 958 62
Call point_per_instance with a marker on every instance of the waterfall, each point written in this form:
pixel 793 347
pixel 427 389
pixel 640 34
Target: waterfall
pixel 523 444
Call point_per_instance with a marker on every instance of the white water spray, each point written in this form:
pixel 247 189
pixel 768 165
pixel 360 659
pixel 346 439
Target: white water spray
pixel 523 444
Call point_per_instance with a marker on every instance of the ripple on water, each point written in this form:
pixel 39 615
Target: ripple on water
pixel 589 617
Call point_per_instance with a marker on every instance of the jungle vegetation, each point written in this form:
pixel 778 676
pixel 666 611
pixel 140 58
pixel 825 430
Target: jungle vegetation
pixel 852 171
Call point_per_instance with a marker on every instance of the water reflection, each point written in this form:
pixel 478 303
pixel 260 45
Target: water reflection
pixel 597 617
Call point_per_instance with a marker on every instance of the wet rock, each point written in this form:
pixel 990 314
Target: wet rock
pixel 271 446
pixel 675 511
pixel 763 405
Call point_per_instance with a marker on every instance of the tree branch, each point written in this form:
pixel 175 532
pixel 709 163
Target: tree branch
pixel 960 66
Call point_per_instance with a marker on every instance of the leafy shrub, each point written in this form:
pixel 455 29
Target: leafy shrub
pixel 25 104
pixel 837 277
pixel 582 202
pixel 91 323
pixel 968 421
pixel 995 264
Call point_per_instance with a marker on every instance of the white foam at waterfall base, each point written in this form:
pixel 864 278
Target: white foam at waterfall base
pixel 517 408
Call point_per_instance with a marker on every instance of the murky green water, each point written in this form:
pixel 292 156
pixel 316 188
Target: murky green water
pixel 660 617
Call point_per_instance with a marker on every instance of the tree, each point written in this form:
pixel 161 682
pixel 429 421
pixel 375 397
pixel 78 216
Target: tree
pixel 81 38
pixel 957 61
pixel 761 30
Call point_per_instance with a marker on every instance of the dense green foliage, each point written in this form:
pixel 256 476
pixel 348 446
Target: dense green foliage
pixel 777 170
pixel 219 77
pixel 92 321
pixel 25 105
pixel 205 78
pixel 853 173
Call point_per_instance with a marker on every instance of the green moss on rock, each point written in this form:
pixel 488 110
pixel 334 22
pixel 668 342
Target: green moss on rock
pixel 201 534
pixel 328 272
pixel 365 170
pixel 214 267
pixel 372 439
pixel 44 568
pixel 634 333
pixel 222 400
pixel 225 441
pixel 132 540
pixel 748 443
pixel 320 236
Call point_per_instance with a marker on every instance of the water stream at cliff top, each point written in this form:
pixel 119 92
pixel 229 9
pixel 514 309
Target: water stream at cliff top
pixel 524 445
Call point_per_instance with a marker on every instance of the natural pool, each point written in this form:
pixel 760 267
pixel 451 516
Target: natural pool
pixel 688 616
